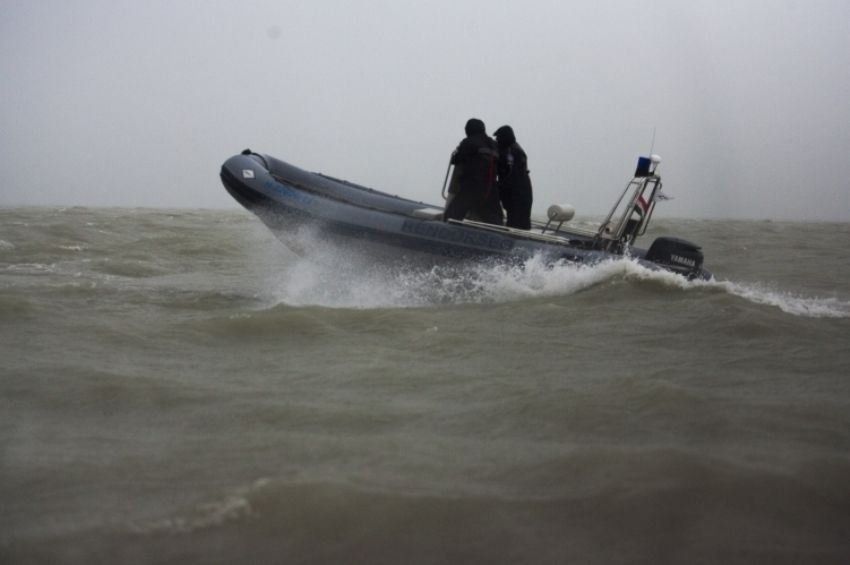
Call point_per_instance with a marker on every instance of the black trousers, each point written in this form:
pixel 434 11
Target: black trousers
pixel 467 202
pixel 517 205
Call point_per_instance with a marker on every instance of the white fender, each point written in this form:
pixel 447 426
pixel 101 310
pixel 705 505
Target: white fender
pixel 560 213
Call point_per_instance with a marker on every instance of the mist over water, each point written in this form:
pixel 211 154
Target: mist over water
pixel 178 385
pixel 745 101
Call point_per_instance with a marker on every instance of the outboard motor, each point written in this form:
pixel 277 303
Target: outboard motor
pixel 678 253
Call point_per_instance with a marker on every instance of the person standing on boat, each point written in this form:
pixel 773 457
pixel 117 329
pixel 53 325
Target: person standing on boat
pixel 514 182
pixel 476 194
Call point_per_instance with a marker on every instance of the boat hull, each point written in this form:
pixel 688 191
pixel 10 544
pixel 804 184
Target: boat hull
pixel 352 217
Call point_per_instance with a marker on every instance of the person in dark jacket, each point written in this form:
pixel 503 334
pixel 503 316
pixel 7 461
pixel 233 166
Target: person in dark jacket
pixel 514 182
pixel 474 194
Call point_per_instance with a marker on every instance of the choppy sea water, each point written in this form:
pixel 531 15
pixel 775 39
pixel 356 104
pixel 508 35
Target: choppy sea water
pixel 178 387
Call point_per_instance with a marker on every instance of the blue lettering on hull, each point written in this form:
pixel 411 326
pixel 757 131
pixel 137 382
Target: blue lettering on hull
pixel 468 237
pixel 288 193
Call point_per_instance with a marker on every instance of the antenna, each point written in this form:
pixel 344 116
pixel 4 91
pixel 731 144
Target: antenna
pixel 652 145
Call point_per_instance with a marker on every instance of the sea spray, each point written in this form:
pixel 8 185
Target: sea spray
pixel 348 280
pixel 352 282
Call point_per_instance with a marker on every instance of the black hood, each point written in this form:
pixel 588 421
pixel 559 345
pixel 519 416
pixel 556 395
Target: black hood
pixel 505 136
pixel 475 126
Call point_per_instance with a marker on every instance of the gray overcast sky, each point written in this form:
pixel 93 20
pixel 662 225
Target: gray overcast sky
pixel 128 103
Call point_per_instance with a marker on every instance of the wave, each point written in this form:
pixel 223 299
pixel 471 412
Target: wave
pixel 310 283
pixel 635 478
pixel 790 303
pixel 664 503
pixel 351 282
pixel 329 276
pixel 232 507
pixel 786 301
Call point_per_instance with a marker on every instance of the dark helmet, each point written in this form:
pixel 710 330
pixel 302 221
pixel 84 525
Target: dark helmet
pixel 505 135
pixel 474 126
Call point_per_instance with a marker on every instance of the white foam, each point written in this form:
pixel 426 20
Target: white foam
pixel 231 507
pixel 789 303
pixel 333 278
pixel 31 268
pixel 352 282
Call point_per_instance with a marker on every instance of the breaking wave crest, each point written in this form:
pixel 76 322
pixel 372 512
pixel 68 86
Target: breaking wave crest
pixel 232 507
pixel 347 284
pixel 334 280
pixel 790 303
